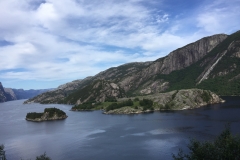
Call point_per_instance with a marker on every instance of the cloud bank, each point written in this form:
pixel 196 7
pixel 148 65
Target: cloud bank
pixel 49 41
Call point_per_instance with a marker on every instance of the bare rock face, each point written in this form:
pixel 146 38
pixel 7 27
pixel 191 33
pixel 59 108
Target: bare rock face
pixel 57 95
pixel 231 53
pixel 11 93
pixel 176 60
pixel 234 48
pixel 6 94
pixel 190 54
pixel 174 100
pixel 100 91
pixel 3 97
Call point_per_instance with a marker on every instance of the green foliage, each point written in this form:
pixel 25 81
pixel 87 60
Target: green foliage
pixel 1 147
pixel 119 105
pixel 33 115
pixel 111 99
pixel 84 106
pixel 53 111
pixel 2 152
pixel 43 157
pixel 169 105
pixel 206 96
pixel 147 104
pixel 225 146
pixel 136 99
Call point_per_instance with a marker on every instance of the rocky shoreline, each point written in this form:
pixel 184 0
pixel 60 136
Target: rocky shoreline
pixel 175 100
pixel 128 110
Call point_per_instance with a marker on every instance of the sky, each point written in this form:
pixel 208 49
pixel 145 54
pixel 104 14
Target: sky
pixel 46 43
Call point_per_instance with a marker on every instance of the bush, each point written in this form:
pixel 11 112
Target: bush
pixel 54 110
pixel 2 152
pixel 119 105
pixel 147 104
pixel 169 105
pixel 224 147
pixel 206 96
pixel 1 147
pixel 43 157
pixel 34 115
pixel 136 99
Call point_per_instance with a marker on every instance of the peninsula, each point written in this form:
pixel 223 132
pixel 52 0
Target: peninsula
pixel 174 100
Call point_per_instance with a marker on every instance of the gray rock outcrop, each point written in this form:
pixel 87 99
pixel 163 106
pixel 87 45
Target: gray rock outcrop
pixel 174 100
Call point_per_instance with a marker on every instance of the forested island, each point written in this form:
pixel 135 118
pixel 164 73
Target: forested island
pixel 48 115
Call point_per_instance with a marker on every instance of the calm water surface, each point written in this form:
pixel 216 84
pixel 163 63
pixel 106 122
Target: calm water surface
pixel 93 135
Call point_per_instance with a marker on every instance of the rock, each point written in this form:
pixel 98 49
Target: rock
pixel 174 100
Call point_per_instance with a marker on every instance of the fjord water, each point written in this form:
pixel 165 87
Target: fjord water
pixel 93 135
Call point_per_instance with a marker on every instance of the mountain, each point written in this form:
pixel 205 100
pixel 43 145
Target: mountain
pixel 9 94
pixel 6 95
pixel 26 94
pixel 211 63
pixel 3 97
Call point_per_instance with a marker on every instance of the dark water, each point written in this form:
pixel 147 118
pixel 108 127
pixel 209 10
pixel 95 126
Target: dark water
pixel 93 135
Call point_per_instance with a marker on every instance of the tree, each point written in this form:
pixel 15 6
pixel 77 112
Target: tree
pixel 2 152
pixel 1 147
pixel 224 147
pixel 43 157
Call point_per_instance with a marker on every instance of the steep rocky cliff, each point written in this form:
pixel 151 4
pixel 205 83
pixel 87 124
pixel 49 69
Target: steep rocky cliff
pixel 11 94
pixel 3 97
pixel 196 65
pixel 6 94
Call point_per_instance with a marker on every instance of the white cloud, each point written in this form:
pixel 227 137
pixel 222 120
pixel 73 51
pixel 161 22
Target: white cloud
pixel 72 39
pixel 220 16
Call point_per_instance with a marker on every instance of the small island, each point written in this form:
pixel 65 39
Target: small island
pixel 49 114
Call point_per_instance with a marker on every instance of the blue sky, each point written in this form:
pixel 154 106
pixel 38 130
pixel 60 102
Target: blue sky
pixel 45 43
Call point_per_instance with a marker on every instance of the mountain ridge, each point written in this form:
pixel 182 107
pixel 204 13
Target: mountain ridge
pixel 182 68
pixel 11 94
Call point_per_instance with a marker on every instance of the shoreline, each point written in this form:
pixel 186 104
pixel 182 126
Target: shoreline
pixel 41 120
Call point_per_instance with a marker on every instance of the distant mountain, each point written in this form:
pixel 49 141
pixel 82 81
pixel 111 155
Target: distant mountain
pixel 9 94
pixel 3 96
pixel 26 94
pixel 211 63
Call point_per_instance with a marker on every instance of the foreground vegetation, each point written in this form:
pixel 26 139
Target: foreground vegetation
pixel 2 152
pixel 224 147
pixel 41 157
